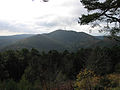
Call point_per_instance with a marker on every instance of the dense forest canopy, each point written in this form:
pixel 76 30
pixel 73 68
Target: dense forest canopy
pixel 33 69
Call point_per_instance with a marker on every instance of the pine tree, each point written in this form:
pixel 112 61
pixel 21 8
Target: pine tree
pixel 102 11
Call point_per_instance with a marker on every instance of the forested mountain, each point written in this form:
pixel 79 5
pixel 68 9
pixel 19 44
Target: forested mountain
pixel 106 42
pixel 39 42
pixel 8 40
pixel 72 39
pixel 56 40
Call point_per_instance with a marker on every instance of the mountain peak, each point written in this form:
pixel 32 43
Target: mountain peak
pixel 67 31
pixel 61 31
pixel 57 40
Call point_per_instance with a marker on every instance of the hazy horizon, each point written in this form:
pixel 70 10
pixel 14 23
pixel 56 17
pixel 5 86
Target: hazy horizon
pixel 50 32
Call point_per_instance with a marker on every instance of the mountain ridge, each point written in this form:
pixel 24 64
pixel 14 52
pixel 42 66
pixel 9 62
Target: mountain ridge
pixel 8 40
pixel 58 40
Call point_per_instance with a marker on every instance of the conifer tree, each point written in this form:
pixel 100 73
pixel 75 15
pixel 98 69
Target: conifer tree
pixel 102 11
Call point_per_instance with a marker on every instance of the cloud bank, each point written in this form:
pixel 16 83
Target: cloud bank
pixel 25 16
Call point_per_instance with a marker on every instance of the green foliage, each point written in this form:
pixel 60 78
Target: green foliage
pixel 60 77
pixel 108 9
pixel 29 69
pixel 10 85
pixel 34 70
pixel 24 84
pixel 85 19
pixel 3 72
pixel 100 61
pixel 102 11
pixel 117 67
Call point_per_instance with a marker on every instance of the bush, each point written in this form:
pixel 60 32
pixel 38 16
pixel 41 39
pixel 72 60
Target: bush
pixel 87 80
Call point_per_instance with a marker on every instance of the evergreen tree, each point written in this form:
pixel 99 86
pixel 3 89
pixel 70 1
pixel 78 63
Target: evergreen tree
pixel 3 71
pixel 100 61
pixel 107 10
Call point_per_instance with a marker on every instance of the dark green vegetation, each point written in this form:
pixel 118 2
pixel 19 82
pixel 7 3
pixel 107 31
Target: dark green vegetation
pixel 58 40
pixel 33 70
pixel 103 11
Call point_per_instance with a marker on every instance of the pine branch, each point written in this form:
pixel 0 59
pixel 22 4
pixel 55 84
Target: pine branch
pixel 114 18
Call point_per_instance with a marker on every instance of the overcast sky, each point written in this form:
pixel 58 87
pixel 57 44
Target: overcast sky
pixel 28 17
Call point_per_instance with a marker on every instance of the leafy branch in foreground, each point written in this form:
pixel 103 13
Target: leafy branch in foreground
pixel 102 11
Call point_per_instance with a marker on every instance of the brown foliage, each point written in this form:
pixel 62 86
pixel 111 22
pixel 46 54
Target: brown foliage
pixel 64 86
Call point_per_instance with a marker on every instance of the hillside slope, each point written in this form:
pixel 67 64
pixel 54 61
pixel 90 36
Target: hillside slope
pixel 61 40
pixel 57 40
pixel 8 40
pixel 74 40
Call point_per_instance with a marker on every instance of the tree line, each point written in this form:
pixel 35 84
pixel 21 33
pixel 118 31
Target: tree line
pixel 33 70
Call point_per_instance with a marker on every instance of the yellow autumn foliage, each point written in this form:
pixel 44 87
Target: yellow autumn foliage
pixel 87 80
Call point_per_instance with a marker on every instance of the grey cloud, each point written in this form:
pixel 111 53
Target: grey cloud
pixel 52 21
pixel 71 3
pixel 60 21
pixel 49 21
pixel 9 26
pixel 4 25
pixel 47 24
pixel 76 7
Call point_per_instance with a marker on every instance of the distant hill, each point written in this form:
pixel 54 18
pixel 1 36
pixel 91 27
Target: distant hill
pixel 106 42
pixel 60 40
pixel 8 40
pixel 73 40
pixel 40 42
pixel 99 37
